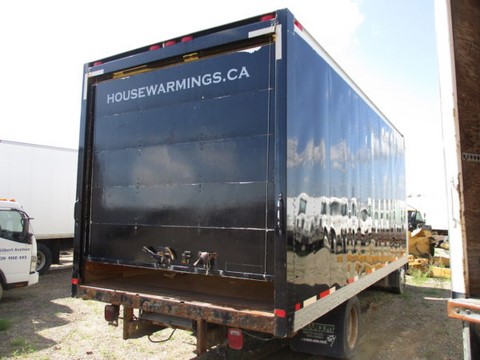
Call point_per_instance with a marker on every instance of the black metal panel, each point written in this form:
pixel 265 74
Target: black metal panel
pixel 183 160
pixel 223 161
pixel 345 178
pixel 186 243
pixel 196 120
pixel 208 78
pixel 199 205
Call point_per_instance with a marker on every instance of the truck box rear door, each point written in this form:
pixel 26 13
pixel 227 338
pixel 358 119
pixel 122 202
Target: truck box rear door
pixel 182 159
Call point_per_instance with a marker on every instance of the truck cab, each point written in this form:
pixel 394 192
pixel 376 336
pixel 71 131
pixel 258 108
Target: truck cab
pixel 18 247
pixel 415 219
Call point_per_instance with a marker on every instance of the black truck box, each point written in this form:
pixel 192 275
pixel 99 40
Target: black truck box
pixel 236 176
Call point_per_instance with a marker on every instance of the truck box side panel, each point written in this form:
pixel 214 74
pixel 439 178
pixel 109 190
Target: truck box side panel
pixel 182 159
pixel 345 179
pixel 41 178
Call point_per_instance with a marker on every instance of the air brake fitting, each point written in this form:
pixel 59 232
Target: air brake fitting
pixel 165 256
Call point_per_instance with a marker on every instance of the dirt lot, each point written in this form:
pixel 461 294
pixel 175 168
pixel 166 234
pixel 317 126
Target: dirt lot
pixel 43 322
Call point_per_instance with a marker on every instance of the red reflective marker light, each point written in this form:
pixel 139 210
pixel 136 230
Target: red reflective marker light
pixel 111 312
pixel 267 17
pixel 187 38
pixel 75 281
pixel 169 43
pixel 154 47
pixel 96 63
pixel 280 313
pixel 235 339
pixel 297 24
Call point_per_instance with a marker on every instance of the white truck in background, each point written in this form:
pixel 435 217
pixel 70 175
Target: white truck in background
pixel 18 248
pixel 42 179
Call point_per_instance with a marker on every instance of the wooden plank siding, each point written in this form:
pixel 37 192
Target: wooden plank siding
pixel 466 41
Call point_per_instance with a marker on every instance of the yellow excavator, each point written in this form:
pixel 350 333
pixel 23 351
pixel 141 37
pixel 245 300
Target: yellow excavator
pixel 422 242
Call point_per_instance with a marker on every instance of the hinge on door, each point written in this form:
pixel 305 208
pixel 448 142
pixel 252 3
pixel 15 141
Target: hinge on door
pixel 280 211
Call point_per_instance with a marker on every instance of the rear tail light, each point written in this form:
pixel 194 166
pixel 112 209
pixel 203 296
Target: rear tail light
pixel 154 47
pixel 112 312
pixel 187 38
pixel 235 339
pixel 267 17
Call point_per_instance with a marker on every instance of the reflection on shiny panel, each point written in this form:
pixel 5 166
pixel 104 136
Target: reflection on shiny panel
pixel 345 195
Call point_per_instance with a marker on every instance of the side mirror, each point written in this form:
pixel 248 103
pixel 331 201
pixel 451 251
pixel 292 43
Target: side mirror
pixel 29 238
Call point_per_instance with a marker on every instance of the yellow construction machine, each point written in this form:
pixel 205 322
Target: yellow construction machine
pixel 427 248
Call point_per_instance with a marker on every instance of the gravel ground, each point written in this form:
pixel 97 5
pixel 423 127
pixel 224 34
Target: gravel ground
pixel 43 322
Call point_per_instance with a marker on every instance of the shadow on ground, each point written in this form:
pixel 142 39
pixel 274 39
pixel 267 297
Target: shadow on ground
pixel 26 312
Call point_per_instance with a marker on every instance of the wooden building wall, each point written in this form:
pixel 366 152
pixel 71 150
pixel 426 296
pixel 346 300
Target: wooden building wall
pixel 466 42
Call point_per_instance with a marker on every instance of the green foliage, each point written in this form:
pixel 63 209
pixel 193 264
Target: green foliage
pixel 5 324
pixel 21 346
pixel 419 277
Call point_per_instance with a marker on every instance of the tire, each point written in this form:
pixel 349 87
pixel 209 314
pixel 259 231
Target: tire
pixel 351 320
pixel 1 291
pixel 396 281
pixel 335 334
pixel 44 259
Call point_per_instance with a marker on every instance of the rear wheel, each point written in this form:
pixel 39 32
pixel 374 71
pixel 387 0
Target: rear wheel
pixel 396 281
pixel 334 334
pixel 1 291
pixel 351 323
pixel 44 259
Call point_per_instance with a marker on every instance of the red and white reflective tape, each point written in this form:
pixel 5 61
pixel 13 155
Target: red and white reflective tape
pixel 323 294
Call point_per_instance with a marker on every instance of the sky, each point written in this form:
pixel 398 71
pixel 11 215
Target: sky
pixel 388 48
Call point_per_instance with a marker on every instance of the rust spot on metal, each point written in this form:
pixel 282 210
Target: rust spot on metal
pixel 228 316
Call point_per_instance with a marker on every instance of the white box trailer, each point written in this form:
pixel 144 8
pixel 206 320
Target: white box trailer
pixel 42 178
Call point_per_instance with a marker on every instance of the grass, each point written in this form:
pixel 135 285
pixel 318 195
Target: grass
pixel 22 347
pixel 418 277
pixel 5 324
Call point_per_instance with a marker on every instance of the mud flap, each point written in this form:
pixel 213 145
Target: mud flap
pixel 335 334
